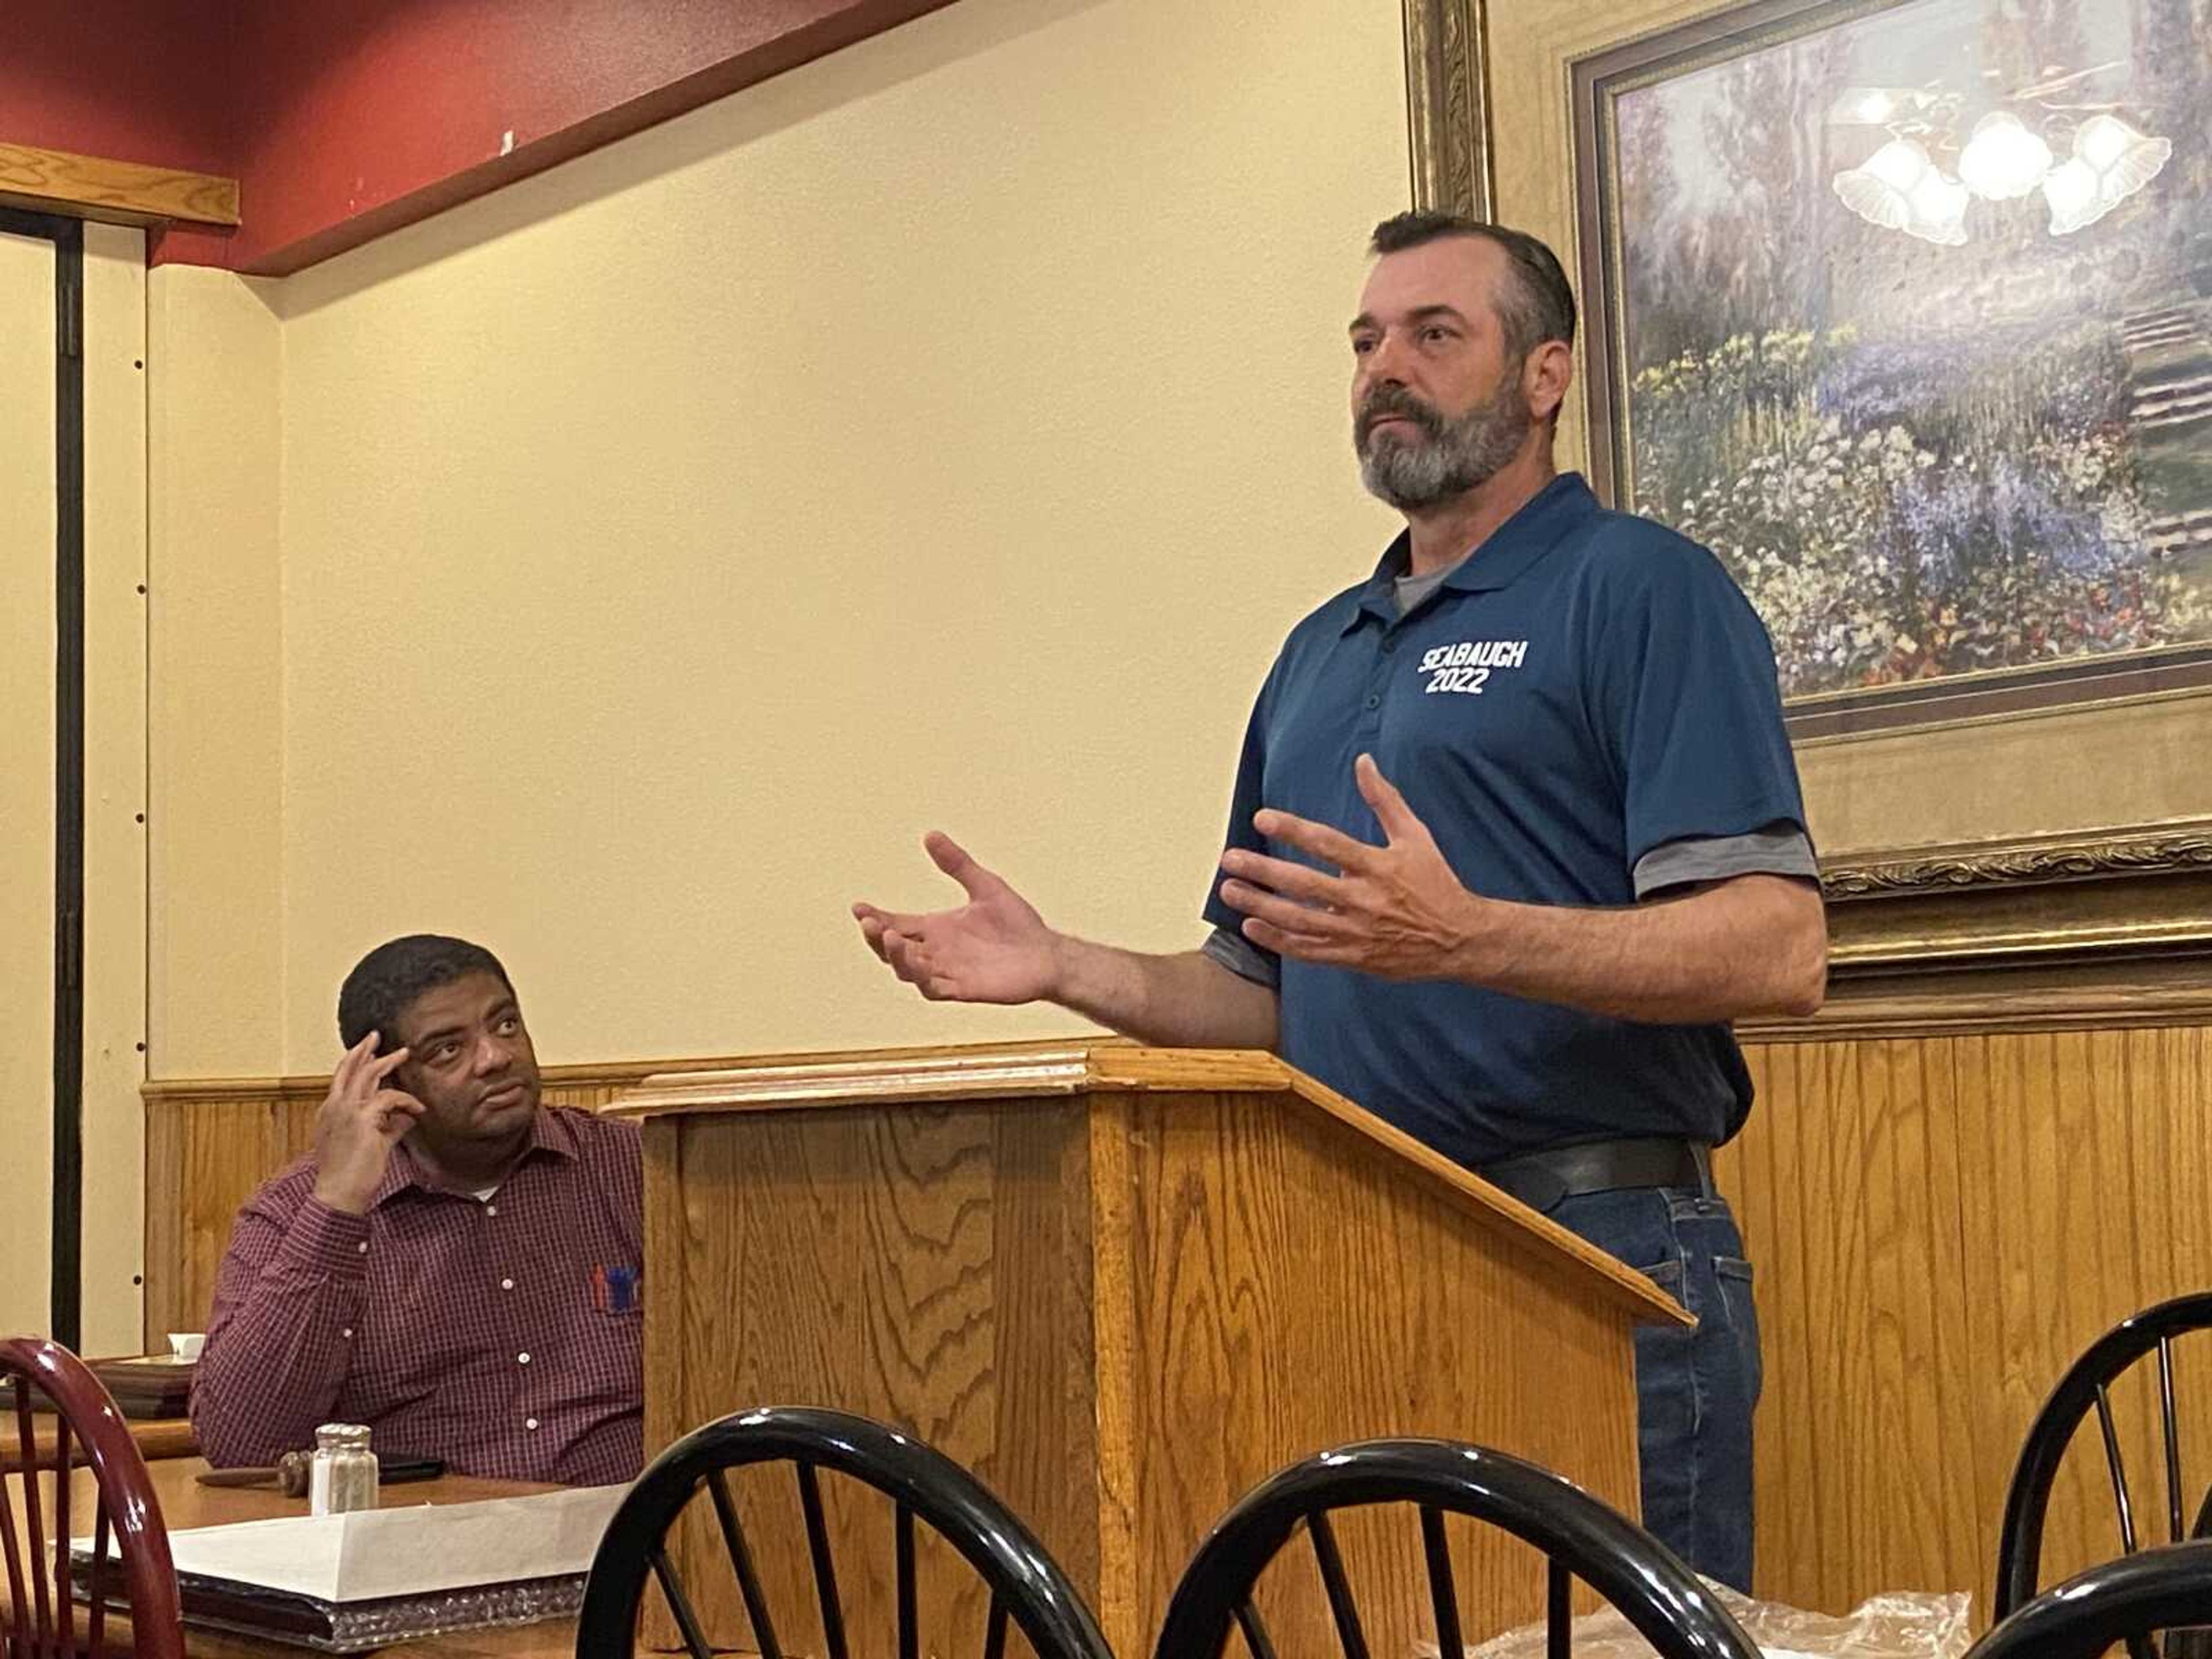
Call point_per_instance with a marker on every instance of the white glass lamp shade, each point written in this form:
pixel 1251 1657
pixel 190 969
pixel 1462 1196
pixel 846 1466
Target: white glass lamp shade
pixel 1898 188
pixel 2002 160
pixel 2111 162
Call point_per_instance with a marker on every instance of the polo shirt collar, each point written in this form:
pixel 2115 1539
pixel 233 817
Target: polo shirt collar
pixel 1514 546
pixel 548 1133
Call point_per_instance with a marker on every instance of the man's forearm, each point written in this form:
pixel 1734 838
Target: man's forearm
pixel 1186 1000
pixel 280 1342
pixel 1753 945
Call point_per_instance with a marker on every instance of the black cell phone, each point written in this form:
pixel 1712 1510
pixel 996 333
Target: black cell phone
pixel 393 1471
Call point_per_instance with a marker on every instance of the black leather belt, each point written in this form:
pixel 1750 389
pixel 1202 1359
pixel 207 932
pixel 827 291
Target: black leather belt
pixel 1540 1180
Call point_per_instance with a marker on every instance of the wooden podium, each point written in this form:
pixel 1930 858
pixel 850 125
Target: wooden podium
pixel 1121 1285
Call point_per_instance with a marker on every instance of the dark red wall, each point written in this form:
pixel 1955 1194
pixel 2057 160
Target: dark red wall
pixel 130 80
pixel 343 119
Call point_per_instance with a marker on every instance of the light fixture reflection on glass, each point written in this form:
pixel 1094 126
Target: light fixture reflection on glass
pixel 2112 162
pixel 2071 189
pixel 1900 188
pixel 2003 158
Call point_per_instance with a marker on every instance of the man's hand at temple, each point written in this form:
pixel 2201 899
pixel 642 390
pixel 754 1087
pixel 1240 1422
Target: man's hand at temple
pixel 360 1123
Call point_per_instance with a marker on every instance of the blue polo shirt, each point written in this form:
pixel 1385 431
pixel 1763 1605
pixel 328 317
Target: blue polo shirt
pixel 1587 687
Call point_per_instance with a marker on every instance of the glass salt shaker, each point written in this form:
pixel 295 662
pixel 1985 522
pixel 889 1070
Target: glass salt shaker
pixel 342 1474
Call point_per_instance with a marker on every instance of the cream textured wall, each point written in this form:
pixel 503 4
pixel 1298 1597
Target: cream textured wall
pixel 26 791
pixel 115 497
pixel 941 435
pixel 215 966
pixel 113 931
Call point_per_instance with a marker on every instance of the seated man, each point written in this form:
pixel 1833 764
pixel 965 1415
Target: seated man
pixel 452 1266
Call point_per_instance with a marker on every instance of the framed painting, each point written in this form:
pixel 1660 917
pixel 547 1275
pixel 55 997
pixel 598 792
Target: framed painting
pixel 1998 658
pixel 1904 307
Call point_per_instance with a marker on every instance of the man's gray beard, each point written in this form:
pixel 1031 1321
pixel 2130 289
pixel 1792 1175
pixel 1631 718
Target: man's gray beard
pixel 1456 455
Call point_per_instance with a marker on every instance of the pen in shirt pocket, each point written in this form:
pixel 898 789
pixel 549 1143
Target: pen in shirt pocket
pixel 615 1290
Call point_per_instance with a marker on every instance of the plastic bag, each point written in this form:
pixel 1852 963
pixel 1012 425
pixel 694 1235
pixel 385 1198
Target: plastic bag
pixel 1898 1626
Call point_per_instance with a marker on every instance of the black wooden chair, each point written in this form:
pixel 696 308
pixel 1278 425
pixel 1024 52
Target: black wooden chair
pixel 1580 1538
pixel 2128 1602
pixel 2087 1386
pixel 1026 1587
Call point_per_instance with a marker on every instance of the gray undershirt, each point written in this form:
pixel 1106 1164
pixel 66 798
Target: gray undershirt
pixel 1410 591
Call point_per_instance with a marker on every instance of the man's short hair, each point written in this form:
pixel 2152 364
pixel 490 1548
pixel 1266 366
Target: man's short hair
pixel 393 974
pixel 1540 306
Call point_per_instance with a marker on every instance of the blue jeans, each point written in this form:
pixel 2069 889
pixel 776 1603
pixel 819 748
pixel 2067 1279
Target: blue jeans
pixel 1695 1389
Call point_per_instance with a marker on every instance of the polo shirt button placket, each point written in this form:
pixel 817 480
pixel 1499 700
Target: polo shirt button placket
pixel 1377 681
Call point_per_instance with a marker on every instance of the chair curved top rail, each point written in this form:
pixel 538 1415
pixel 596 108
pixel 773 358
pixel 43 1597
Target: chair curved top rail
pixel 2027 1498
pixel 1019 1573
pixel 1631 1570
pixel 2168 1587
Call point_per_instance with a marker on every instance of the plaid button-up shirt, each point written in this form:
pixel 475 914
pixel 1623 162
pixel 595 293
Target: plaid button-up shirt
pixel 501 1335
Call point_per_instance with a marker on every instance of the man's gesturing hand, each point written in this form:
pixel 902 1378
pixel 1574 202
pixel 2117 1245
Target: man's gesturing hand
pixel 360 1123
pixel 995 948
pixel 1396 911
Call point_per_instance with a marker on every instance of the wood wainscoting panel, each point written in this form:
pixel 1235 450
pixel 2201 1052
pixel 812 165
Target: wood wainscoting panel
pixel 1939 1226
pixel 204 1156
pixel 1944 1204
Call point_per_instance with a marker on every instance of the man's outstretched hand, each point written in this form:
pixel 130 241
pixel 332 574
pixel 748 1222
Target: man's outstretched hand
pixel 995 948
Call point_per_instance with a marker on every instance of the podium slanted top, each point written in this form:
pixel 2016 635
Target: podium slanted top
pixel 1046 1070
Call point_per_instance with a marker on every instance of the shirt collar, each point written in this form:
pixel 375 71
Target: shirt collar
pixel 1541 523
pixel 548 1133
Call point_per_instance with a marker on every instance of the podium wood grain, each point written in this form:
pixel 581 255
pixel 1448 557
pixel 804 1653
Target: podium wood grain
pixel 1121 1302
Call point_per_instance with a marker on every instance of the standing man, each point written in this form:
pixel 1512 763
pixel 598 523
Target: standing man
pixel 1516 832
pixel 454 1265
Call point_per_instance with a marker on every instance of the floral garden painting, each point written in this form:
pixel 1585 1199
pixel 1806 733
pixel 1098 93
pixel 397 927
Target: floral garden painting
pixel 1907 315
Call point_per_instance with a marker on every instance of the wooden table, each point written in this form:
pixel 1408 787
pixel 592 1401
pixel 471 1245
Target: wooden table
pixel 184 1504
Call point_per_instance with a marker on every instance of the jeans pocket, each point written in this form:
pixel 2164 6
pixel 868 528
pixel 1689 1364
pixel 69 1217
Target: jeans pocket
pixel 1668 1276
pixel 1734 1275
